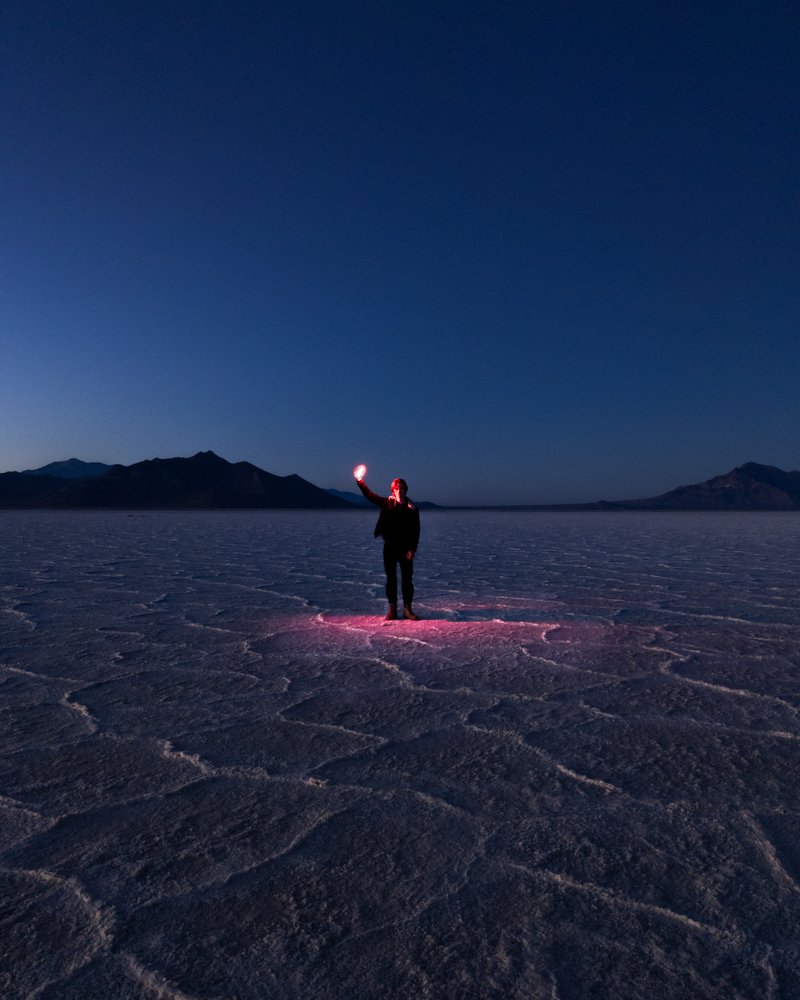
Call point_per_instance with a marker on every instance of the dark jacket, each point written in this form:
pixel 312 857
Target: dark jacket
pixel 398 523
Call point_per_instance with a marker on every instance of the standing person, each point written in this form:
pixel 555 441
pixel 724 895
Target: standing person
pixel 398 525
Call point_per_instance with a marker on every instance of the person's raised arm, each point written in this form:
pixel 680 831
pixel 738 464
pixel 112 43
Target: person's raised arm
pixel 372 497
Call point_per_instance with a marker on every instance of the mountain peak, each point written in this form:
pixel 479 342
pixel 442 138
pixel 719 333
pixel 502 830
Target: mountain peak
pixel 757 469
pixel 72 468
pixel 751 486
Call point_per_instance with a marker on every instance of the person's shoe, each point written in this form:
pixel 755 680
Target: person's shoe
pixel 391 614
pixel 409 614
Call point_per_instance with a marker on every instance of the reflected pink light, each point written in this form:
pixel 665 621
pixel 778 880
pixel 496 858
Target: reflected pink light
pixel 285 630
pixel 428 628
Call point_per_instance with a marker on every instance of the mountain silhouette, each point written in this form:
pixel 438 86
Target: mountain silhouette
pixel 72 468
pixel 203 482
pixel 747 487
pixel 207 482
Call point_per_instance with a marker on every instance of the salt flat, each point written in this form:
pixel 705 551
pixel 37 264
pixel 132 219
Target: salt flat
pixel 222 776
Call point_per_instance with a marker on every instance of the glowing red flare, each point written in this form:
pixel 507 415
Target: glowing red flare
pixel 360 471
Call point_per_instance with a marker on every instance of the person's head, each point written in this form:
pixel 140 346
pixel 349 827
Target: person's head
pixel 399 489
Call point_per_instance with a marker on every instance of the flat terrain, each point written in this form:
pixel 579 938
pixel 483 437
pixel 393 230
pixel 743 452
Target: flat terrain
pixel 221 776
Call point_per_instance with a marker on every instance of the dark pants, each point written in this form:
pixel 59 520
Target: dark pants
pixel 391 557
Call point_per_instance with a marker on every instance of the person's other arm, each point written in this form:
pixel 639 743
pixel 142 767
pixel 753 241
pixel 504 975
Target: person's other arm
pixel 415 535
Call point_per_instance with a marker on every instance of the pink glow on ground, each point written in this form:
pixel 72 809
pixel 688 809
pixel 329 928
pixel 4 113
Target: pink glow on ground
pixel 472 634
pixel 500 608
pixel 474 625
pixel 428 630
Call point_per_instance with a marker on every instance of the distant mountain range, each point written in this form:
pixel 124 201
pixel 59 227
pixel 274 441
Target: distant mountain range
pixel 208 482
pixel 202 482
pixel 747 487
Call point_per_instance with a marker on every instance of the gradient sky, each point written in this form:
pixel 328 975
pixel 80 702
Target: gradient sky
pixel 514 252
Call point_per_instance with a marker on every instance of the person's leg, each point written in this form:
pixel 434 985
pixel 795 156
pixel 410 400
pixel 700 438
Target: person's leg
pixel 407 579
pixel 390 568
pixel 407 574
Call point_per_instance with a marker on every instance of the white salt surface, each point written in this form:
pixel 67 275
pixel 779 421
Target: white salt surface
pixel 222 776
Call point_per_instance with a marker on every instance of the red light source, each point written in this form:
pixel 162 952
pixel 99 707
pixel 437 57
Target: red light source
pixel 360 471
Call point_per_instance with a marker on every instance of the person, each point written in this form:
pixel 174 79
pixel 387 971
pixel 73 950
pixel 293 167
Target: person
pixel 398 525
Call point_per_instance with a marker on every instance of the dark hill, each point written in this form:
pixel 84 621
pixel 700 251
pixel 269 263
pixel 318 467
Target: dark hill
pixel 202 482
pixel 747 487
pixel 19 489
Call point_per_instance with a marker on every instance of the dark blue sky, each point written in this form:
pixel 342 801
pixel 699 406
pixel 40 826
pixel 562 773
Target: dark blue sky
pixel 514 252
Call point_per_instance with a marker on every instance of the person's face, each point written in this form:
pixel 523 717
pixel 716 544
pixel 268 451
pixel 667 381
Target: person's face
pixel 398 490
